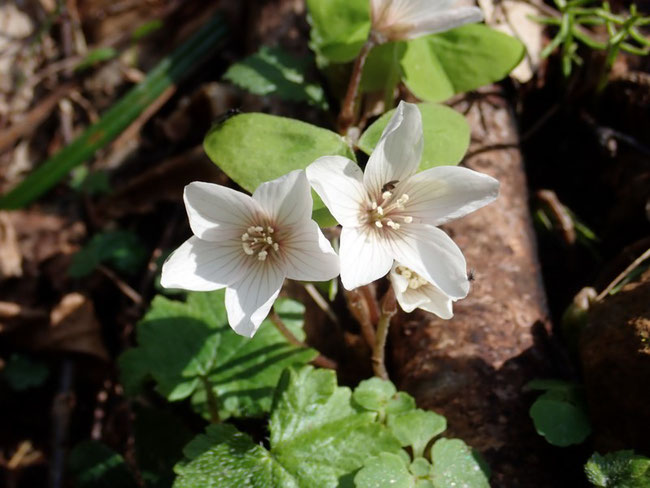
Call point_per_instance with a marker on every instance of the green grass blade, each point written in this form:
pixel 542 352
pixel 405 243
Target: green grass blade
pixel 168 72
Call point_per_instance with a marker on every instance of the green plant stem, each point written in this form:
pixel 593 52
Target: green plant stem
pixel 321 361
pixel 213 402
pixel 167 73
pixel 388 310
pixel 346 117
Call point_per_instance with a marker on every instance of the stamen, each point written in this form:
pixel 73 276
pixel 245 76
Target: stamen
pixel 407 219
pixel 262 255
pixel 391 224
pixel 374 205
pixel 379 224
pixel 270 230
pixel 245 236
pixel 380 211
pixel 275 246
pixel 247 249
pixel 386 195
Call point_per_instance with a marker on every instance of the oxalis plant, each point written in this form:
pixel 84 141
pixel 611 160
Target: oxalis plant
pixel 235 350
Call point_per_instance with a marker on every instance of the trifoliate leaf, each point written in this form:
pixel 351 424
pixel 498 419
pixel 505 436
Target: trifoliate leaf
pixel 254 148
pixel 445 131
pixel 620 469
pixel 381 396
pixel 339 28
pixel 561 422
pixel 183 344
pixel 387 469
pixel 420 467
pixel 22 372
pixel 438 66
pixel 273 71
pixel 316 438
pixel 95 465
pixel 121 250
pixel 416 428
pixel 455 464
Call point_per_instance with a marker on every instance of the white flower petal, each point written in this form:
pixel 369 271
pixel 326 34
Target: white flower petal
pixel 200 265
pixel 431 21
pixel 339 183
pixel 437 302
pixel 398 152
pixel 427 297
pixel 248 301
pixel 309 255
pixel 433 255
pixel 218 213
pixel 364 258
pixel 287 200
pixel 444 193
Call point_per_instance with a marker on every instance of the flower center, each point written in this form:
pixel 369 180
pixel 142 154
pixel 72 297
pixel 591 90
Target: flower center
pixel 258 240
pixel 415 280
pixel 387 211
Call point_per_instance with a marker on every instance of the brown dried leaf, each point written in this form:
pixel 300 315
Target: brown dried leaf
pixel 11 258
pixel 73 328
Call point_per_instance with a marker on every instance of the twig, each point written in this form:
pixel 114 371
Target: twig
pixel 346 117
pixel 322 361
pixel 321 302
pixel 492 147
pixel 61 414
pixel 388 310
pixel 132 130
pixel 622 275
pixel 121 285
pixel 34 117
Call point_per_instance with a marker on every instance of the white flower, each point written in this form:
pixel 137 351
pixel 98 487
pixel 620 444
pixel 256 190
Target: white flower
pixel 248 245
pixel 389 213
pixel 412 291
pixel 407 19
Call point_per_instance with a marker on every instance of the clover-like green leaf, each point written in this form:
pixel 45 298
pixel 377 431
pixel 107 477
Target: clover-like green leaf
pixel 181 345
pixel 455 464
pixel 387 469
pixel 560 413
pixel 316 438
pixel 462 59
pixel 254 148
pixel 381 396
pixel 445 131
pixel 339 28
pixel 620 469
pixel 273 71
pixel 420 467
pixel 416 428
pixel 95 465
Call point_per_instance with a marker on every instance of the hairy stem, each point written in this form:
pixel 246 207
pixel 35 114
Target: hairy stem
pixel 388 310
pixel 347 115
pixel 321 361
pixel 213 403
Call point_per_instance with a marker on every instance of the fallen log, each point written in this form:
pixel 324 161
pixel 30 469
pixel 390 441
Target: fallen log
pixel 472 368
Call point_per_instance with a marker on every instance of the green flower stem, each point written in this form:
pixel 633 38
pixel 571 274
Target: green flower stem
pixel 213 402
pixel 321 361
pixel 168 72
pixel 388 310
pixel 346 117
